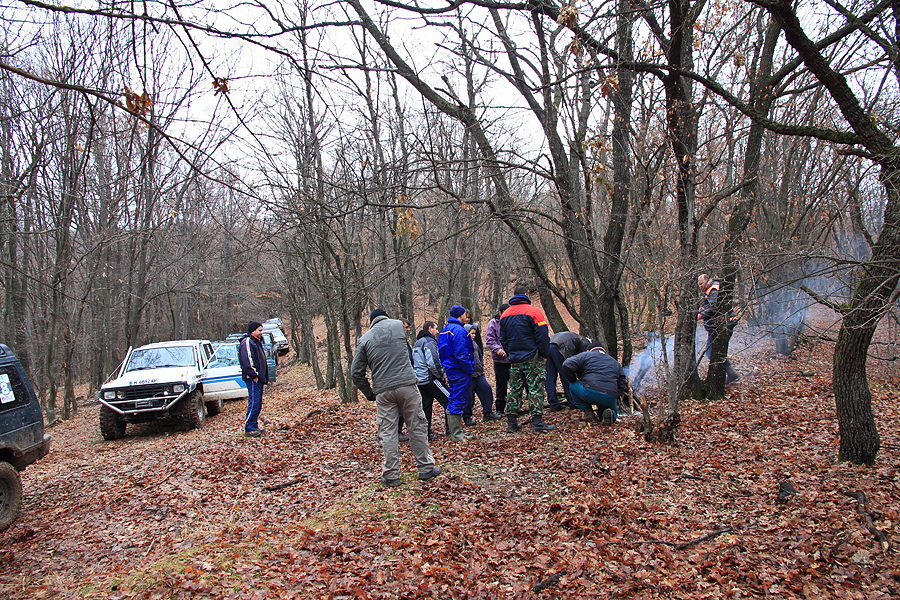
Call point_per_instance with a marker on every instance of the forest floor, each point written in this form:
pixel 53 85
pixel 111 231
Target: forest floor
pixel 168 513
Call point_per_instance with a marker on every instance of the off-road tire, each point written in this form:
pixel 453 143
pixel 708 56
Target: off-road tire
pixel 192 411
pixel 112 424
pixel 10 494
pixel 214 407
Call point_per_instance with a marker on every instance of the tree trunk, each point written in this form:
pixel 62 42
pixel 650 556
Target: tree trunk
pixel 878 282
pixel 761 99
pixel 859 436
pixel 611 265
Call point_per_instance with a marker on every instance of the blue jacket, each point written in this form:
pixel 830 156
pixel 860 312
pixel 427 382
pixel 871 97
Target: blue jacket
pixel 455 347
pixel 523 331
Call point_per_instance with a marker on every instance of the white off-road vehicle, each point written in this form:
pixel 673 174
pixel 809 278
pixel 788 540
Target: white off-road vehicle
pixel 158 381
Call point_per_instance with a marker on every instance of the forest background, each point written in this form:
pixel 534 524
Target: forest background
pixel 170 170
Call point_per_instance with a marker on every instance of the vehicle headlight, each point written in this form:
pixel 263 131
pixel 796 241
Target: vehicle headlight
pixel 178 388
pixel 109 395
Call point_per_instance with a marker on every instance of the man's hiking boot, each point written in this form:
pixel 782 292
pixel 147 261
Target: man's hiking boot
pixel 469 421
pixel 492 416
pixel 589 416
pixel 391 482
pixel 538 425
pixel 435 471
pixel 608 417
pixel 512 423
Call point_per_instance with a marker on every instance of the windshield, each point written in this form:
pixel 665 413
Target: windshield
pixel 159 358
pixel 226 356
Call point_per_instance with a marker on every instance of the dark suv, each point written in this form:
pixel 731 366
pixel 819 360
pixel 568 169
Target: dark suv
pixel 22 437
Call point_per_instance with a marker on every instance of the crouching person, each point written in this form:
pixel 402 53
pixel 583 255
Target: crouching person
pixel 384 351
pixel 597 381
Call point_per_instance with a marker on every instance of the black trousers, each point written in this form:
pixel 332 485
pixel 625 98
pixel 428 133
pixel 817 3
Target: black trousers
pixel 431 391
pixel 501 372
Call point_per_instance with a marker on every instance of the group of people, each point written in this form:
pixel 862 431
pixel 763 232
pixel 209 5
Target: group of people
pixel 447 366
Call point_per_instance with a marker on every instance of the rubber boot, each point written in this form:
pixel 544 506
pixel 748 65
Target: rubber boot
pixel 730 374
pixel 512 423
pixel 454 423
pixel 538 426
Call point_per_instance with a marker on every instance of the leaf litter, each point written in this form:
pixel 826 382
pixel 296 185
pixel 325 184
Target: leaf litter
pixel 168 513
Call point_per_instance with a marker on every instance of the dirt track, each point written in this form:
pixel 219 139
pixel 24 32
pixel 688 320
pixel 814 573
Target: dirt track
pixel 167 513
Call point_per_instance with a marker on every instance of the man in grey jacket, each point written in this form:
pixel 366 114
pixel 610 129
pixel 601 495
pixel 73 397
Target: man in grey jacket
pixel 384 351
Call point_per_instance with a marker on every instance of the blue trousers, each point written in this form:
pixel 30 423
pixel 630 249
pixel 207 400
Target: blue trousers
pixel 584 397
pixel 554 368
pixel 458 381
pixel 482 389
pixel 254 405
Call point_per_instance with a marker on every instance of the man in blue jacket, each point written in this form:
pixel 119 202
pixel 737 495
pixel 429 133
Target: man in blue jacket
pixel 255 371
pixel 458 360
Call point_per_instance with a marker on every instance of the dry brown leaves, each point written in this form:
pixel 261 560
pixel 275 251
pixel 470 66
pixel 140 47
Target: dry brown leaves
pixel 167 513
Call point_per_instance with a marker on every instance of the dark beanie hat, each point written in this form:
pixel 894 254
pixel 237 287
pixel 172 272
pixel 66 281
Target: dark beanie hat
pixel 457 311
pixel 253 326
pixel 378 312
pixel 596 345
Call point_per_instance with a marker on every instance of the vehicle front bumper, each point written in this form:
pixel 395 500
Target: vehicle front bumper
pixel 149 404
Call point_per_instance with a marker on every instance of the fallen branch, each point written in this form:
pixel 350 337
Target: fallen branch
pixel 692 542
pixel 329 409
pixel 870 524
pixel 552 580
pixel 281 486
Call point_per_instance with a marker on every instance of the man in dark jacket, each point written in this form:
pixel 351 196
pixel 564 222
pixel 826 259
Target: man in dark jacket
pixel 710 290
pixel 596 380
pixel 480 385
pixel 501 360
pixel 458 360
pixel 526 340
pixel 563 345
pixel 384 350
pixel 255 371
pixel 430 374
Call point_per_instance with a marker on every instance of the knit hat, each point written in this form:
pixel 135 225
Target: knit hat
pixel 456 311
pixel 378 312
pixel 596 345
pixel 253 326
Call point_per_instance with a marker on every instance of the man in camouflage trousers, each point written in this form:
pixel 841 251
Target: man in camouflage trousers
pixel 526 340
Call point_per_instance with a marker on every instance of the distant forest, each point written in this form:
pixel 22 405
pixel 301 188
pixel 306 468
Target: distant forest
pixel 171 170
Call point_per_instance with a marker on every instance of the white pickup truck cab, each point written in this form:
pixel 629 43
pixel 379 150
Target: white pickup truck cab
pixel 158 381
